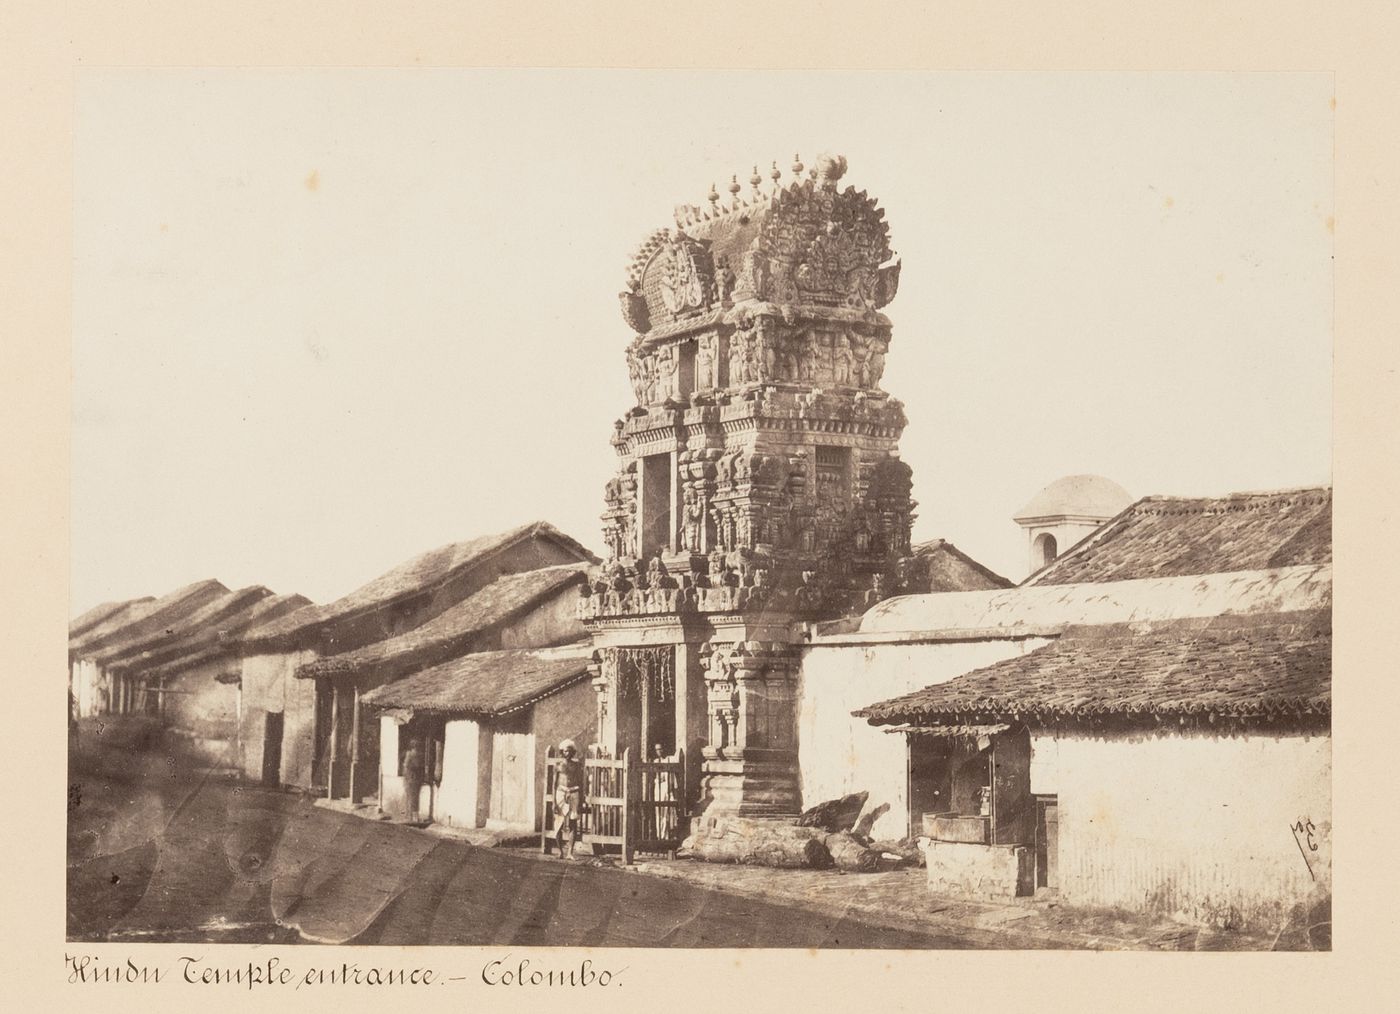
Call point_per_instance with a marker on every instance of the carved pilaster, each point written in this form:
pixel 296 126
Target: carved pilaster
pixel 751 760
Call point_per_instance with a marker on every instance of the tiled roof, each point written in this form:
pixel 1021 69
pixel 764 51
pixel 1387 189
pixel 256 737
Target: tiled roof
pixel 1243 667
pixel 144 620
pixel 206 641
pixel 451 632
pixel 1168 536
pixel 422 573
pixel 80 625
pixel 212 613
pixel 486 682
pixel 952 570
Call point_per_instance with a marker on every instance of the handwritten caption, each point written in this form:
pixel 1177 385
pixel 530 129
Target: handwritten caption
pixel 274 973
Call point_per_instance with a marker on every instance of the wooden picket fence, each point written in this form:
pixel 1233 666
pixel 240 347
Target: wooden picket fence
pixel 628 804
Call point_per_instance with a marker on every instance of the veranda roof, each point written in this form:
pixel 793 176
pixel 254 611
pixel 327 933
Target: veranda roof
pixel 486 683
pixel 1277 666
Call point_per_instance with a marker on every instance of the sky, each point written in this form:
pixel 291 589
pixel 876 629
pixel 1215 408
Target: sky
pixel 327 320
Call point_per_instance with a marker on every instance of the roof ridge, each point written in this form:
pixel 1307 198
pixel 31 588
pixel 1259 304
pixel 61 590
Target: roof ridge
pixel 1251 494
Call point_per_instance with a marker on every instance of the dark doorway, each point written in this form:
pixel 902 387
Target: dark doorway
pixel 930 780
pixel 1047 842
pixel 646 702
pixel 272 749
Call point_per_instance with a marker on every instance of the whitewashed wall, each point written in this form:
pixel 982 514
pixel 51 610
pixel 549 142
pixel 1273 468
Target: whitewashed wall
pixel 840 754
pixel 457 795
pixel 1190 825
pixel 87 678
pixel 391 796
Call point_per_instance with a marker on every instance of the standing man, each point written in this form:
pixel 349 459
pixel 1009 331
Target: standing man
pixel 412 778
pixel 568 797
pixel 663 791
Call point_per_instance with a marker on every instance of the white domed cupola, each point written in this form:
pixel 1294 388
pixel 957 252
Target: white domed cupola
pixel 1067 511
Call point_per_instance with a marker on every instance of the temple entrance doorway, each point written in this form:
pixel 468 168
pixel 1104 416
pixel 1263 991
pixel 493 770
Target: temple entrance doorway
pixel 646 702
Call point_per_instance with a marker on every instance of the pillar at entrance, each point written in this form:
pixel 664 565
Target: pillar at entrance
pixel 750 764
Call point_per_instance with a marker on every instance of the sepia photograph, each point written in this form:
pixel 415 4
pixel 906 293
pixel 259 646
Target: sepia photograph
pixel 701 509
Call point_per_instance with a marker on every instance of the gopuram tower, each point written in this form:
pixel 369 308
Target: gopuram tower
pixel 759 486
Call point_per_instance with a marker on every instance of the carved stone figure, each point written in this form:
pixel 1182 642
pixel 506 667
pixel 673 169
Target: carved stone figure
pixel 706 356
pixel 770 356
pixel 862 357
pixel 724 280
pixel 739 358
pixel 811 356
pixel 693 525
pixel 844 360
pixel 681 286
pixel 647 370
pixel 664 362
pixel 875 364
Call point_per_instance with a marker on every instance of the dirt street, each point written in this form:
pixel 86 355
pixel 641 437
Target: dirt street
pixel 158 851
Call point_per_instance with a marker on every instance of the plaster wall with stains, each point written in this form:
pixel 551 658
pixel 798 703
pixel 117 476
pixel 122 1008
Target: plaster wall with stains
pixel 269 685
pixel 1195 825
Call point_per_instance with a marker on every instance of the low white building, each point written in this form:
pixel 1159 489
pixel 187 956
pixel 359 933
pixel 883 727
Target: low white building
pixel 485 722
pixel 1133 727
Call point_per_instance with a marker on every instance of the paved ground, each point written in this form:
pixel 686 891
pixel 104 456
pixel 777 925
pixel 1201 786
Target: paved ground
pixel 161 851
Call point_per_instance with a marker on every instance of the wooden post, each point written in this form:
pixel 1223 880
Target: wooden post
pixel 354 739
pixel 915 825
pixel 238 732
pixel 644 690
pixel 548 799
pixel 682 814
pixel 335 741
pixel 630 809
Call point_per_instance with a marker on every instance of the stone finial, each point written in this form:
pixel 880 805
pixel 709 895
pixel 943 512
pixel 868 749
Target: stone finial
pixel 755 180
pixel 714 194
pixel 797 166
pixel 734 187
pixel 829 169
pixel 775 175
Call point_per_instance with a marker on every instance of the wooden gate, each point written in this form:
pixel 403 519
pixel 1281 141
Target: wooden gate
pixel 635 806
